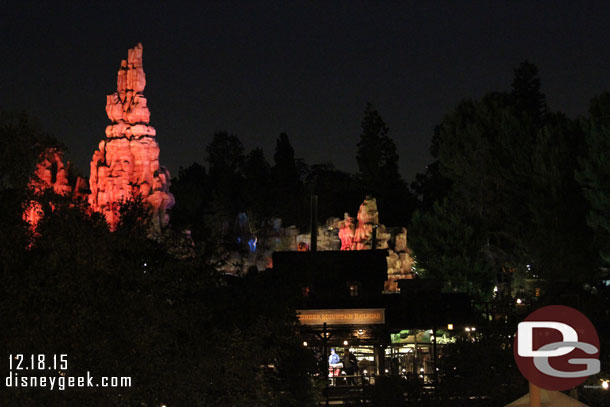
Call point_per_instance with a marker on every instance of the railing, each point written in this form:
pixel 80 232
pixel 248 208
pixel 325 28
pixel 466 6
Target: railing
pixel 351 380
pixel 358 389
pixel 345 388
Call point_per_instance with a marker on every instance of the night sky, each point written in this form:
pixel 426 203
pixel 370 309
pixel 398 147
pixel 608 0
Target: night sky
pixel 308 69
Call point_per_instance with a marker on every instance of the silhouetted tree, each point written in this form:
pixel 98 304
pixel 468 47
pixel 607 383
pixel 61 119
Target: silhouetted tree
pixel 377 157
pixel 451 249
pixel 510 166
pixel 485 153
pixel 288 193
pixel 431 186
pixel 192 192
pixel 594 172
pixel 558 239
pixel 258 184
pixel 527 94
pixel 21 143
pixel 285 164
pixel 378 168
pixel 118 303
pixel 225 156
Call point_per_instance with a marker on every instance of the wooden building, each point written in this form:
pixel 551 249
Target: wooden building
pixel 342 305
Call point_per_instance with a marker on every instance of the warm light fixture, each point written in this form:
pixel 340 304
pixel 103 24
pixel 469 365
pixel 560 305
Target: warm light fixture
pixel 467 329
pixel 304 343
pixel 345 343
pixel 450 327
pixel 605 384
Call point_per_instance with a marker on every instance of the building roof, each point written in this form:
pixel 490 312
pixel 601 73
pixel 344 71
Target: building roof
pixel 329 266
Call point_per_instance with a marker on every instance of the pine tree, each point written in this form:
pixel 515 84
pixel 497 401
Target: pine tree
pixel 449 248
pixel 528 97
pixel 288 193
pixel 594 173
pixel 257 172
pixel 285 168
pixel 377 157
pixel 378 169
pixel 225 154
pixel 225 157
pixel 558 239
pixel 510 164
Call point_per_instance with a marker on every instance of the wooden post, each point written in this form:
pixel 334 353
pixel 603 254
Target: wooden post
pixel 325 364
pixel 313 241
pixel 435 357
pixel 534 395
pixel 415 357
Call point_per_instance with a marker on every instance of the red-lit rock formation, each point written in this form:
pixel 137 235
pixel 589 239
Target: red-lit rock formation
pixel 368 218
pixel 399 261
pixel 127 162
pixel 347 230
pixel 50 173
pixel 360 237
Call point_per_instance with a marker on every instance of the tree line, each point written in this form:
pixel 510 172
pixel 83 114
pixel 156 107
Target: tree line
pixel 231 181
pixel 515 189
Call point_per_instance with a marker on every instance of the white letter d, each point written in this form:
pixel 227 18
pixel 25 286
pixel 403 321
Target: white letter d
pixel 525 338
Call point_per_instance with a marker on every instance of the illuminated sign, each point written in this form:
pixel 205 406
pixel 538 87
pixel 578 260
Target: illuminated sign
pixel 360 316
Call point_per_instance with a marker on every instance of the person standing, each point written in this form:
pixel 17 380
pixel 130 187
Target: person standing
pixel 333 361
pixel 350 365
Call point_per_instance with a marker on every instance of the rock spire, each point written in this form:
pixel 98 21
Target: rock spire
pixel 126 164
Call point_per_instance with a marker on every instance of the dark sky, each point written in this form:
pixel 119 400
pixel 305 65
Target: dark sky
pixel 308 69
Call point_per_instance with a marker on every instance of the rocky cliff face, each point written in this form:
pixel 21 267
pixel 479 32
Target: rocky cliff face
pixel 127 162
pixel 359 236
pixel 50 173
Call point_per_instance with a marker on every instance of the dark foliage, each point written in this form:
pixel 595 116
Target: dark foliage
pixel 504 185
pixel 378 169
pixel 594 173
pixel 155 310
